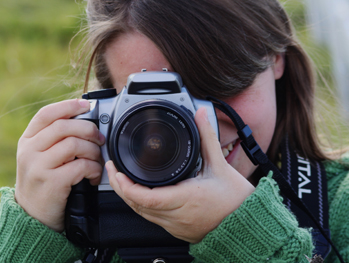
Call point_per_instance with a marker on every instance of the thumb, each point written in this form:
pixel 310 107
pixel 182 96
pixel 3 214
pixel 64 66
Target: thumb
pixel 118 181
pixel 112 174
pixel 210 146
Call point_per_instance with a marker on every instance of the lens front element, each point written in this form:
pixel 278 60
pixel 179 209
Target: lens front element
pixel 155 143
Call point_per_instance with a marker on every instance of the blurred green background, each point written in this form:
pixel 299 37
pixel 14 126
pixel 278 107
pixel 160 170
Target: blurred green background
pixel 35 64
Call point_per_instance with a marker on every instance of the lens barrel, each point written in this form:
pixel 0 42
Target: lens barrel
pixel 155 143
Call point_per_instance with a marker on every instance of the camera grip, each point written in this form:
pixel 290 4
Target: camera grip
pixel 120 226
pixel 81 219
pixel 102 219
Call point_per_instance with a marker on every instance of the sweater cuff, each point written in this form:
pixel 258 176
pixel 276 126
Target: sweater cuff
pixel 260 230
pixel 25 239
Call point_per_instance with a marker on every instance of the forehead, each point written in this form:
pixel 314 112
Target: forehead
pixel 130 53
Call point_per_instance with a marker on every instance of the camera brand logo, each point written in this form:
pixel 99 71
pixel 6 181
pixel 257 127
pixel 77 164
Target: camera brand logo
pixel 176 117
pixel 304 173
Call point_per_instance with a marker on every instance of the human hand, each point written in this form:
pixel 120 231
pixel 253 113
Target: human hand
pixel 55 153
pixel 192 208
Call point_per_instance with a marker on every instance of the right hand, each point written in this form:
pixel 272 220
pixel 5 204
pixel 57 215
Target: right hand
pixel 54 153
pixel 192 208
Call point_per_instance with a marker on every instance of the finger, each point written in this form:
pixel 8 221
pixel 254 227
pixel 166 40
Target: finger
pixel 140 197
pixel 48 114
pixel 68 150
pixel 158 205
pixel 61 129
pixel 113 175
pixel 112 171
pixel 210 146
pixel 73 172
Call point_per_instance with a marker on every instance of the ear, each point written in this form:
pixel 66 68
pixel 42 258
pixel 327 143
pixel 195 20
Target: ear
pixel 279 65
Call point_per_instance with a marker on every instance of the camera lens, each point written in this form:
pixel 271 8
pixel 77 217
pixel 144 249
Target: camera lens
pixel 155 143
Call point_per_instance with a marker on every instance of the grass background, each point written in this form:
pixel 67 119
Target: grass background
pixel 35 64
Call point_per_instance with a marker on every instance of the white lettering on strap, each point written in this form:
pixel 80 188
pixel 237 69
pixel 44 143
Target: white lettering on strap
pixel 303 166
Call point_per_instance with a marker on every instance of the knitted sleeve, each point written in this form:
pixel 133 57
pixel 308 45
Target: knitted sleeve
pixel 261 230
pixel 338 198
pixel 23 239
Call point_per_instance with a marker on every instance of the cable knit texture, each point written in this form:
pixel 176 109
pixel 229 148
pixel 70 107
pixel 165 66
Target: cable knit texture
pixel 338 198
pixel 260 230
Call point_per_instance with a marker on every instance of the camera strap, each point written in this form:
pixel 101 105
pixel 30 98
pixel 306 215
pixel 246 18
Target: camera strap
pixel 258 157
pixel 140 255
pixel 99 255
pixel 309 181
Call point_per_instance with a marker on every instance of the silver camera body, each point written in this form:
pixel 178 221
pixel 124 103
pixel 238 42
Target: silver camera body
pixel 149 128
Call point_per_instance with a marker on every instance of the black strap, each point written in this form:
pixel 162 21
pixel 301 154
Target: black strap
pixel 99 255
pixel 156 254
pixel 258 157
pixel 309 181
pixel 90 256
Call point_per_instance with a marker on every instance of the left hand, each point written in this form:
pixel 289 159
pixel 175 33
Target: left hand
pixel 192 208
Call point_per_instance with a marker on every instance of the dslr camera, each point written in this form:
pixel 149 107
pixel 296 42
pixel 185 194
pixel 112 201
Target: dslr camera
pixel 151 137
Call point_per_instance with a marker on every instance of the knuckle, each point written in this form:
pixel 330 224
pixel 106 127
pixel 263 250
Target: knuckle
pixel 33 174
pixel 60 126
pixel 91 130
pixel 137 203
pixel 97 151
pixel 185 222
pixel 213 134
pixel 88 167
pixel 70 144
pixel 25 158
pixel 83 165
pixel 96 155
pixel 42 115
pixel 37 177
pixel 151 203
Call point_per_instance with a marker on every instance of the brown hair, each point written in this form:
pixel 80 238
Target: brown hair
pixel 218 47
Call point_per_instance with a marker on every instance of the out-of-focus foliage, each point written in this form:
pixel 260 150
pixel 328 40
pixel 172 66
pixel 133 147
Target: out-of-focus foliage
pixel 34 66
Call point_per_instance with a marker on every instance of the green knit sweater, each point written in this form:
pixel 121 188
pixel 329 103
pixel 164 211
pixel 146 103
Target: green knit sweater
pixel 261 230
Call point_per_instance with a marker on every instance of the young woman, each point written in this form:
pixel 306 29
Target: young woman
pixel 243 52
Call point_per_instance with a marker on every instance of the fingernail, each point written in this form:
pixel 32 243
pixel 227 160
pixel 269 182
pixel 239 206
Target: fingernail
pixel 108 165
pixel 117 176
pixel 84 103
